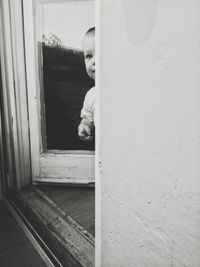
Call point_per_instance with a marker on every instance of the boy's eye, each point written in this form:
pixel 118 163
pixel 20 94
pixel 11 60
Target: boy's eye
pixel 88 56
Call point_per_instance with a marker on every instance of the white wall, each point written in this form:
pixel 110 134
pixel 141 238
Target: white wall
pixel 150 132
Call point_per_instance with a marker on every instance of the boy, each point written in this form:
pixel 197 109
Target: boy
pixel 87 123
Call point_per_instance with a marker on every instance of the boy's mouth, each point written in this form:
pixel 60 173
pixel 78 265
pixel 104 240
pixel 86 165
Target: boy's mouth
pixel 93 74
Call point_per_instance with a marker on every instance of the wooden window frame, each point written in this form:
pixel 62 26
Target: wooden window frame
pixel 14 95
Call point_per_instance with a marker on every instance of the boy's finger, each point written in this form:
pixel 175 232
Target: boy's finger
pixel 81 130
pixel 88 138
pixel 88 130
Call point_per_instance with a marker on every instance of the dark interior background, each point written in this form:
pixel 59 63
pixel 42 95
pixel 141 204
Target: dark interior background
pixel 65 85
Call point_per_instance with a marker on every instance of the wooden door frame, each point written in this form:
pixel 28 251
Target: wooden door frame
pixel 20 122
pixel 14 94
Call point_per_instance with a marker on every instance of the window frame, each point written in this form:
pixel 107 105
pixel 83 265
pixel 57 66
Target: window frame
pixel 14 95
pixel 21 97
pixel 51 165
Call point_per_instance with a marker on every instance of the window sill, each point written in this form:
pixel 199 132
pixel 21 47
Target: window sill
pixel 71 243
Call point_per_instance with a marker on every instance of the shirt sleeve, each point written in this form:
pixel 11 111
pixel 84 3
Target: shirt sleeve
pixel 89 106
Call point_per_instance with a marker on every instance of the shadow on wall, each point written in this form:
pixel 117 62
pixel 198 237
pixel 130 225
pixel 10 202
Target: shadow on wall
pixel 140 16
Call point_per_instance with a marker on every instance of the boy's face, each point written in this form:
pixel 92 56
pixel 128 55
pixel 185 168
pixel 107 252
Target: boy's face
pixel 89 54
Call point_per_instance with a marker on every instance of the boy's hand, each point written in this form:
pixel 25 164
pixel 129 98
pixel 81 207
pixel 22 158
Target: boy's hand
pixel 85 130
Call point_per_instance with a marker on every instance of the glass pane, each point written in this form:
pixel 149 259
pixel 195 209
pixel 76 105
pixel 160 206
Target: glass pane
pixel 64 81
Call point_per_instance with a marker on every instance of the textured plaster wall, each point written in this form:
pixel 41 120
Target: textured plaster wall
pixel 150 132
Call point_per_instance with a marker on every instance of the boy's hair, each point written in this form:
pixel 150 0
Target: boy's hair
pixel 91 30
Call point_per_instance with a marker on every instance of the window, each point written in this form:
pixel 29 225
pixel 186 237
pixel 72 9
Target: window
pixel 31 151
pixel 56 84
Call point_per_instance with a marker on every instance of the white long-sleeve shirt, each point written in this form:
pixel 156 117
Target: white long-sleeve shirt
pixel 88 110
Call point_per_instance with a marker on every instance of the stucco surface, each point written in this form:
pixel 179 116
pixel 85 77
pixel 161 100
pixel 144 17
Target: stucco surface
pixel 150 133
